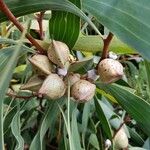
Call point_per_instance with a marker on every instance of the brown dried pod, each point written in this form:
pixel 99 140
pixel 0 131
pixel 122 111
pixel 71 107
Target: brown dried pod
pixel 53 87
pixel 33 84
pixel 120 140
pixel 58 53
pixel 42 63
pixel 110 70
pixel 83 91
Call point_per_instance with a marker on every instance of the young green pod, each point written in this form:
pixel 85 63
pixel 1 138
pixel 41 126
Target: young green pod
pixel 42 63
pixel 120 140
pixel 58 53
pixel 110 70
pixel 83 91
pixel 53 87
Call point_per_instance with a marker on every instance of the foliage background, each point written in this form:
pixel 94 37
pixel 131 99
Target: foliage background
pixel 64 124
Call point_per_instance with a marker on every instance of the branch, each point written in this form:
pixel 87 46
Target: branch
pixel 106 46
pixel 40 19
pixel 12 18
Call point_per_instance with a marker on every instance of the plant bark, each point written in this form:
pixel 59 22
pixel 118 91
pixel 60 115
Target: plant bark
pixel 12 18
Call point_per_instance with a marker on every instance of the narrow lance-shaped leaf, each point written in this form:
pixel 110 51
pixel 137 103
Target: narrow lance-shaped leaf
pixel 4 83
pixel 134 105
pixel 147 68
pixel 6 53
pixel 105 124
pixel 47 121
pixel 65 26
pixel 15 127
pixel 25 7
pixel 124 19
pixel 75 132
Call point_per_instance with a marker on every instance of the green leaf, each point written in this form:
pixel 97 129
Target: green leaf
pixel 136 148
pixel 147 144
pixel 4 83
pixel 108 96
pixel 134 105
pixel 13 42
pixel 94 141
pixel 8 118
pixel 85 117
pixel 20 8
pixel 93 43
pixel 64 26
pixel 49 117
pixel 124 19
pixel 109 113
pixel 15 127
pixel 7 41
pixel 131 73
pixel 82 64
pixel 105 124
pixel 36 142
pixel 147 69
pixel 6 53
pixel 136 137
pixel 75 131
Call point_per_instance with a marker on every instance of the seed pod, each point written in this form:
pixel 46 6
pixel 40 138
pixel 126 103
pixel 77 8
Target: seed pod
pixel 58 53
pixel 83 91
pixel 33 84
pixel 42 63
pixel 120 140
pixel 53 87
pixel 110 70
pixel 72 78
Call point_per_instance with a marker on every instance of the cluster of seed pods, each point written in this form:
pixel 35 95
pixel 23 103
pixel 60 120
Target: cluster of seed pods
pixel 51 78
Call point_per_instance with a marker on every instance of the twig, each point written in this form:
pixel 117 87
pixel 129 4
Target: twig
pixel 40 19
pixel 12 18
pixel 106 45
pixel 21 97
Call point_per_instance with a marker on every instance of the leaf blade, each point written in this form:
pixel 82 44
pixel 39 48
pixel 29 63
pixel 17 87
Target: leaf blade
pixel 15 127
pixel 105 124
pixel 124 19
pixel 64 26
pixel 25 7
pixel 131 103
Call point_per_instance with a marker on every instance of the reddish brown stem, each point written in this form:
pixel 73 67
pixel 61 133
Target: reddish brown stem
pixel 40 19
pixel 12 18
pixel 105 51
pixel 106 46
